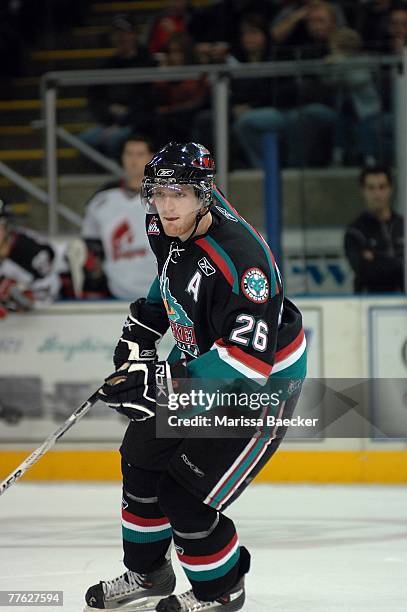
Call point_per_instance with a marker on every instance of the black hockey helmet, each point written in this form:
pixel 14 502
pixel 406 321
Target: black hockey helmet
pixel 180 164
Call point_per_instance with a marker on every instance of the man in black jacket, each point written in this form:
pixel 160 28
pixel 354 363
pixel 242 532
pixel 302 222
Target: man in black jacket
pixel 374 242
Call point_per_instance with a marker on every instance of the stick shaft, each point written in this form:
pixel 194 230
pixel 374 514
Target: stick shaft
pixel 48 443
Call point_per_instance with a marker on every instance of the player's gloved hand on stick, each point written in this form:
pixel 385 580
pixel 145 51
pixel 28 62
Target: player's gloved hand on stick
pixel 139 339
pixel 136 388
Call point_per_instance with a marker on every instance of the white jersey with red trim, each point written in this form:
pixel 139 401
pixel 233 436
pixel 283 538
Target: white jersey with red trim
pixel 222 293
pixel 115 216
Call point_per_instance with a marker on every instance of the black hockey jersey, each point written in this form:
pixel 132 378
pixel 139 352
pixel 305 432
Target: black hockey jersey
pixel 223 296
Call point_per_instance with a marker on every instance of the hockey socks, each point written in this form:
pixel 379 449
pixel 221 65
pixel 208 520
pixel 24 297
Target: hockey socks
pixel 146 531
pixel 205 541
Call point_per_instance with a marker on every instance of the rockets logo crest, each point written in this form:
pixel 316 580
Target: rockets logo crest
pixel 181 325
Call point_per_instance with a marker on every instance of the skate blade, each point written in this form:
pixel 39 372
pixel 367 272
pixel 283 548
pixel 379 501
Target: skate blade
pixel 146 604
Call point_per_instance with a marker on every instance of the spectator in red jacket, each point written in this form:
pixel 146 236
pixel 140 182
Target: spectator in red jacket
pixel 174 20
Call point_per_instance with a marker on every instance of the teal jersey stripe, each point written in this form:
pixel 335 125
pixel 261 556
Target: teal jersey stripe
pixel 143 537
pixel 224 203
pixel 203 575
pixel 154 294
pixel 228 262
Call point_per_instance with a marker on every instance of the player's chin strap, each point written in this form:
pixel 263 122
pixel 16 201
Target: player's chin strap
pixel 202 212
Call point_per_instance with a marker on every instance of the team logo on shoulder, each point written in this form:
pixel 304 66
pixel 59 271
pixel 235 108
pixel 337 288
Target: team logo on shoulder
pixel 255 285
pixel 226 214
pixel 206 267
pixel 153 227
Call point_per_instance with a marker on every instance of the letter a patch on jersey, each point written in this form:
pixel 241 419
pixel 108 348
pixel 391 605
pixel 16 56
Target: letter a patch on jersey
pixel 255 285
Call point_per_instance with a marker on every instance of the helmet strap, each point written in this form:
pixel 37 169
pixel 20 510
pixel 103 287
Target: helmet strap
pixel 202 212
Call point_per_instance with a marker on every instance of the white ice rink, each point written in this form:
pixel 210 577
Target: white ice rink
pixel 314 548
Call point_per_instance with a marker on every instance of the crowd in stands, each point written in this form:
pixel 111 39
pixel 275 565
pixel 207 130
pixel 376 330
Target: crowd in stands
pixel 341 116
pixel 344 116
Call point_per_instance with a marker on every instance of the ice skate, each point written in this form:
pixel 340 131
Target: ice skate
pixel 131 590
pixel 187 602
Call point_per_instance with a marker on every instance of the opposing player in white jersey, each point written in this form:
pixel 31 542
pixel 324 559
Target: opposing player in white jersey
pixel 114 232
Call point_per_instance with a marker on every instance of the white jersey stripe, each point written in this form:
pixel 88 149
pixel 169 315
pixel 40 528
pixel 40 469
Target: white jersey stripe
pixel 259 456
pixel 211 566
pixel 238 365
pixel 153 529
pixel 290 359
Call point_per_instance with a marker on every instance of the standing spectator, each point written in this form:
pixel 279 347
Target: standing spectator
pixel 173 21
pixel 357 100
pixel 28 275
pixel 121 108
pixel 114 232
pixel 179 101
pixel 374 241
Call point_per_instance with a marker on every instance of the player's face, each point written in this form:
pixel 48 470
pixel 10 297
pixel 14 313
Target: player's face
pixel 377 192
pixel 135 156
pixel 177 207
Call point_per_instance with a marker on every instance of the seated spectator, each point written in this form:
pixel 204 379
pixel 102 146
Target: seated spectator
pixel 396 38
pixel 28 275
pixel 302 29
pixel 374 241
pixel 357 101
pixel 174 20
pixel 372 22
pixel 254 46
pixel 178 101
pixel 299 112
pixel 121 108
pixel 119 258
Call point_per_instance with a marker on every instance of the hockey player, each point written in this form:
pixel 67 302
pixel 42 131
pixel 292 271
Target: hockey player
pixel 28 275
pixel 219 290
pixel 113 229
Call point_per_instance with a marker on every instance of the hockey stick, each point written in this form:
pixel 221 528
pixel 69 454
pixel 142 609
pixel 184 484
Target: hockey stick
pixel 48 443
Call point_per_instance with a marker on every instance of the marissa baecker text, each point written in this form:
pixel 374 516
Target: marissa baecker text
pixel 240 421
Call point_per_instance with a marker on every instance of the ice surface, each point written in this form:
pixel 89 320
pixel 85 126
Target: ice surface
pixel 314 548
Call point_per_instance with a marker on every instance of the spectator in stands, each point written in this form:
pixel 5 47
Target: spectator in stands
pixel 372 22
pixel 28 275
pixel 374 241
pixel 302 29
pixel 298 112
pixel 357 101
pixel 121 108
pixel 113 229
pixel 179 101
pixel 396 29
pixel 254 46
pixel 174 20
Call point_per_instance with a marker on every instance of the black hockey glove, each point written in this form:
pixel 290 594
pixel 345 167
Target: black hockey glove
pixel 139 339
pixel 136 388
